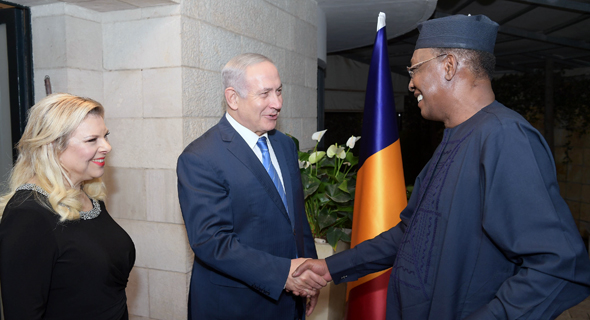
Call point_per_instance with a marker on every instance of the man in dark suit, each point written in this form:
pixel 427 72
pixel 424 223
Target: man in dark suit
pixel 241 197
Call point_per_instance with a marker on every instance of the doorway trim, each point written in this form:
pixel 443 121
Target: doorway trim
pixel 20 66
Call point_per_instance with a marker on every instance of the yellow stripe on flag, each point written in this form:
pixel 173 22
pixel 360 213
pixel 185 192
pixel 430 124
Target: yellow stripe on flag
pixel 379 199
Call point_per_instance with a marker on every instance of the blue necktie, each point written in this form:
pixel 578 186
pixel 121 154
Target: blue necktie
pixel 271 170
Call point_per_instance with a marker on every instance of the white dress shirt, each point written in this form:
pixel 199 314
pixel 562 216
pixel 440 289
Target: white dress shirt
pixel 251 139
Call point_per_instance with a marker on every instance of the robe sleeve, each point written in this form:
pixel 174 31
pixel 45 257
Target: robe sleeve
pixel 375 254
pixel 526 218
pixel 28 251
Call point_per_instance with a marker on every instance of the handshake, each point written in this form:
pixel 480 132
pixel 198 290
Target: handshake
pixel 306 278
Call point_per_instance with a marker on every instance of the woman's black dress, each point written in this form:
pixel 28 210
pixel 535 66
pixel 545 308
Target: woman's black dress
pixel 62 270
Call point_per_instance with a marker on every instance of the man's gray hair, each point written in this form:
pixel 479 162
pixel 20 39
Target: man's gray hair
pixel 233 74
pixel 481 63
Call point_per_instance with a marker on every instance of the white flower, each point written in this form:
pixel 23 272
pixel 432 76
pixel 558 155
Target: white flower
pixel 316 156
pixel 303 164
pixel 318 135
pixel 351 141
pixel 332 150
pixel 335 150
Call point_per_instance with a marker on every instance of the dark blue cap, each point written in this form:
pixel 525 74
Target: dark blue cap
pixel 458 31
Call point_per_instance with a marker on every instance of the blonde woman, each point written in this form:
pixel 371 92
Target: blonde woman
pixel 61 255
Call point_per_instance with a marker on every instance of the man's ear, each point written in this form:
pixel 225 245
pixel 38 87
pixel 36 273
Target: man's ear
pixel 231 97
pixel 451 64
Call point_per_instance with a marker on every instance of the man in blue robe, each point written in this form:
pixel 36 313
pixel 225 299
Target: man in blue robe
pixel 486 234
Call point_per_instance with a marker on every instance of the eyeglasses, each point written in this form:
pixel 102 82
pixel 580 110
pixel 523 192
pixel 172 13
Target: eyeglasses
pixel 415 67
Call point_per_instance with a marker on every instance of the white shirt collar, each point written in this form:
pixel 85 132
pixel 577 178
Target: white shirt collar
pixel 250 137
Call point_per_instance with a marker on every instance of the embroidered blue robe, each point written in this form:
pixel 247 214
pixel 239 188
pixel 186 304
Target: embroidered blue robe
pixel 485 235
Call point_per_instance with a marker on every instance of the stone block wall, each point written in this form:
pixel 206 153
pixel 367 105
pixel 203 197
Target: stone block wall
pixel 156 70
pixel 215 31
pixel 67 46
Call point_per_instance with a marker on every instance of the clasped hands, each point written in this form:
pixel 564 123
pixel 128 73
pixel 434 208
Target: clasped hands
pixel 306 278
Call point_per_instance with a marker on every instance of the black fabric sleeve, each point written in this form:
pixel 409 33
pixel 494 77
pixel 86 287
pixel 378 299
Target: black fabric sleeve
pixel 28 251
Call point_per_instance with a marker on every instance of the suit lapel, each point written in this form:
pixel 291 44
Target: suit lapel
pixel 238 147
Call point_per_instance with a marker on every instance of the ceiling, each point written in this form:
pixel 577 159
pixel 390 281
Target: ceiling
pixel 353 23
pixel 531 33
pixel 100 5
pixel 350 23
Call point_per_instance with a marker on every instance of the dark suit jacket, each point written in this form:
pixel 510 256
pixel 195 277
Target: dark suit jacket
pixel 238 227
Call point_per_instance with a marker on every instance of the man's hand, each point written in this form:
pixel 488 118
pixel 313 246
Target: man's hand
pixel 306 284
pixel 318 267
pixel 311 303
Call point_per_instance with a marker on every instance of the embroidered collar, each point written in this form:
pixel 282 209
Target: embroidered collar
pixel 84 215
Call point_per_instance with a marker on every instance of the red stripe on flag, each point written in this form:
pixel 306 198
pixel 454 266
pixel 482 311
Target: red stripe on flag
pixel 369 300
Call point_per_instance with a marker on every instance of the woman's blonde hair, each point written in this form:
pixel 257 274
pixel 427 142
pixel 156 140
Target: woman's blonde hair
pixel 50 124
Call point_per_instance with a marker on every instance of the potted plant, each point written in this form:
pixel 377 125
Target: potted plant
pixel 329 182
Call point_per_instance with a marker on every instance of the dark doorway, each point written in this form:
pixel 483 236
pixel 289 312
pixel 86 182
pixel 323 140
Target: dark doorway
pixel 16 87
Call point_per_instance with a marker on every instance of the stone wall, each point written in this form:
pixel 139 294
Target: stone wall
pixel 157 72
pixel 143 97
pixel 215 31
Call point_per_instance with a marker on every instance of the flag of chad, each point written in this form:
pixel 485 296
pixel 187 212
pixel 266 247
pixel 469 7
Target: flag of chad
pixel 380 189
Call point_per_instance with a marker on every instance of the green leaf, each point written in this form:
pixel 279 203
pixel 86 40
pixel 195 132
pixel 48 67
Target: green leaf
pixel 340 197
pixel 328 163
pixel 334 235
pixel 354 160
pixel 303 156
pixel 346 209
pixel 331 189
pixel 352 188
pixel 343 186
pixel 349 215
pixel 310 185
pixel 350 185
pixel 345 237
pixel 309 182
pixel 308 192
pixel 326 219
pixel 321 197
pixel 336 194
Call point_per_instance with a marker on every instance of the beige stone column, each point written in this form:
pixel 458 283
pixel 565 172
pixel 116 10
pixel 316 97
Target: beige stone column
pixel 143 97
pixel 67 46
